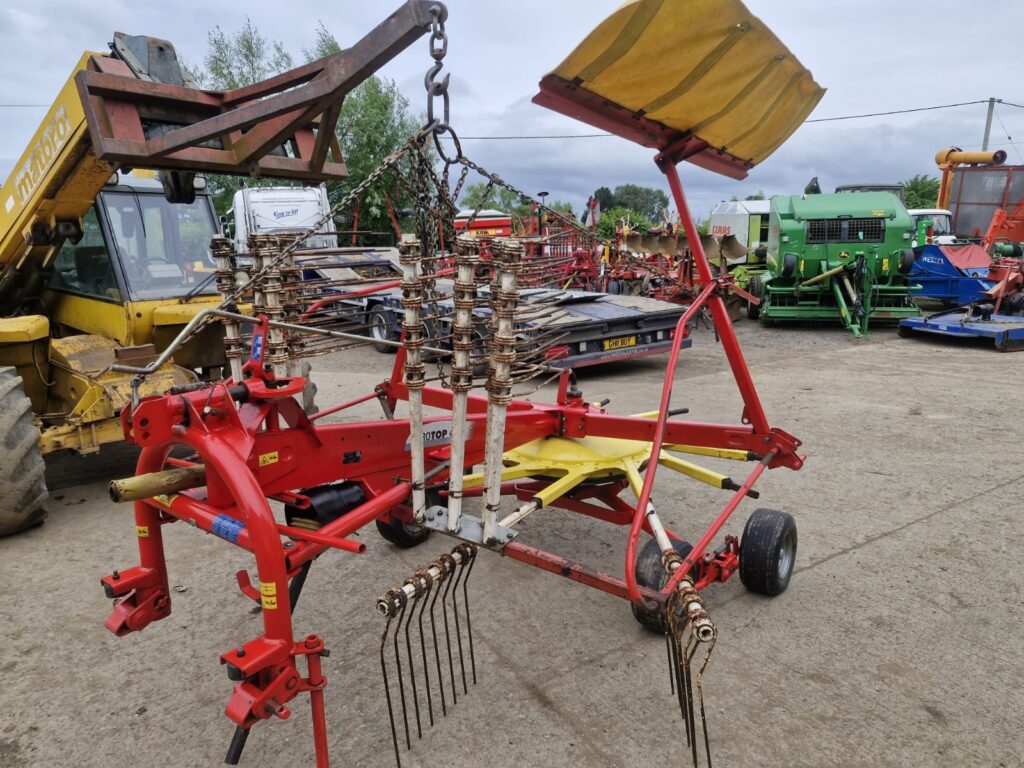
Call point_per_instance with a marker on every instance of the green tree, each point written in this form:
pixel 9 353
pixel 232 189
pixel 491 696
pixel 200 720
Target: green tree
pixel 921 191
pixel 498 198
pixel 616 217
pixel 759 195
pixel 647 201
pixel 234 60
pixel 562 207
pixel 242 58
pixel 605 198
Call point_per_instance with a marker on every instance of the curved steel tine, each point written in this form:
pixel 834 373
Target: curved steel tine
pixel 465 601
pixel 437 652
pixel 447 635
pixel 423 648
pixel 387 691
pixel 671 618
pixel 671 666
pixel 458 631
pixel 412 666
pixel 401 681
pixel 700 699
pixel 691 645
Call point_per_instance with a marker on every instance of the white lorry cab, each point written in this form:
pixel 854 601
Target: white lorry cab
pixel 942 224
pixel 271 210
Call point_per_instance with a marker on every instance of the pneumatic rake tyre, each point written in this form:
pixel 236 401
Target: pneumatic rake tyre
pixel 403 535
pixel 768 552
pixel 650 573
pixel 22 471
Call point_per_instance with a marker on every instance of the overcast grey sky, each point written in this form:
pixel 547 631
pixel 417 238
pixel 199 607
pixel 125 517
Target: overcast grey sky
pixel 871 55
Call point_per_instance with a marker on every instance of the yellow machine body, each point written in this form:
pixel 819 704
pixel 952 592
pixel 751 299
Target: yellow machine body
pixel 63 353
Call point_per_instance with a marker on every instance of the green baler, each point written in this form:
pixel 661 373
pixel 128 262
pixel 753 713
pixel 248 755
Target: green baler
pixel 842 257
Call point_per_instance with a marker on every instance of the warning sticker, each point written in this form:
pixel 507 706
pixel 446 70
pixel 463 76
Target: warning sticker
pixel 266 459
pixel 268 595
pixel 142 531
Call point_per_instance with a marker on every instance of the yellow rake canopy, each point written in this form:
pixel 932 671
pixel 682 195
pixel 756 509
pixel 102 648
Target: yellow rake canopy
pixel 698 80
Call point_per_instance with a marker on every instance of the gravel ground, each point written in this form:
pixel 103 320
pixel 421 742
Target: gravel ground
pixel 898 642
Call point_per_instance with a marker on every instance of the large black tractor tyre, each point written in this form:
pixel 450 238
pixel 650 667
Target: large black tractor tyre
pixel 768 552
pixel 754 287
pixel 22 471
pixel 382 328
pixel 650 573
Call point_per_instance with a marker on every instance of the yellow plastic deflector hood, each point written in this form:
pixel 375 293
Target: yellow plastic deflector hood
pixel 699 80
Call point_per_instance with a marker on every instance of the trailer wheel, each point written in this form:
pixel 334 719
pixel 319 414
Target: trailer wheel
pixel 402 534
pixel 382 328
pixel 768 552
pixel 906 262
pixel 650 573
pixel 22 471
pixel 754 287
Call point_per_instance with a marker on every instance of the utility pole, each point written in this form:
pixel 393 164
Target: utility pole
pixel 988 123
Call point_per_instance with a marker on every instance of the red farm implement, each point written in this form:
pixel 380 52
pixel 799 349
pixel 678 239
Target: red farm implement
pixel 251 444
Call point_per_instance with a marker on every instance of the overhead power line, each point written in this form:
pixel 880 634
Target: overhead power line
pixel 896 111
pixel 815 120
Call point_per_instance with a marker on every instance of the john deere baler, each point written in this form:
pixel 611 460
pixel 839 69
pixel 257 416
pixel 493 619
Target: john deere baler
pixel 844 257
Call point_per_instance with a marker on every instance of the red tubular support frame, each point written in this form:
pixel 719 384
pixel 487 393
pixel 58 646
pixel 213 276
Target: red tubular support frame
pixel 753 412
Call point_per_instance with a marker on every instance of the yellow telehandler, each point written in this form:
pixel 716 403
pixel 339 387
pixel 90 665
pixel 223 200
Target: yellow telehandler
pixel 101 262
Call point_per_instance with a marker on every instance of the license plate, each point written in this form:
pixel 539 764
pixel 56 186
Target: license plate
pixel 625 341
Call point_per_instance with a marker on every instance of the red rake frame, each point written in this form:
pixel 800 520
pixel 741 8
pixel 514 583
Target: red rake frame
pixel 257 445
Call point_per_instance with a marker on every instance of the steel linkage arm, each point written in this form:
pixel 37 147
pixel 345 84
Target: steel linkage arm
pixel 148 124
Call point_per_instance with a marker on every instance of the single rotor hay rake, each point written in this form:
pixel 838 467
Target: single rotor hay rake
pixel 410 474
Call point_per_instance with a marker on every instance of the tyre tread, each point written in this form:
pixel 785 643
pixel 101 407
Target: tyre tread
pixel 22 471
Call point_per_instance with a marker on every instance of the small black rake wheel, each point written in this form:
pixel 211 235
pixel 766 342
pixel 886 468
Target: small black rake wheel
pixel 768 552
pixel 650 573
pixel 401 534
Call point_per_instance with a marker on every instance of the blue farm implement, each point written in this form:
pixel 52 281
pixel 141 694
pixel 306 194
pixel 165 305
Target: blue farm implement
pixel 952 274
pixel 975 321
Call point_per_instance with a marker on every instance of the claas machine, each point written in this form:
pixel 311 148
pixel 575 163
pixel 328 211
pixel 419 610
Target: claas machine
pixel 837 257
pixel 97 267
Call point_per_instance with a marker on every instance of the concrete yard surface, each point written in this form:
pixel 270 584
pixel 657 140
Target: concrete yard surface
pixel 898 642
